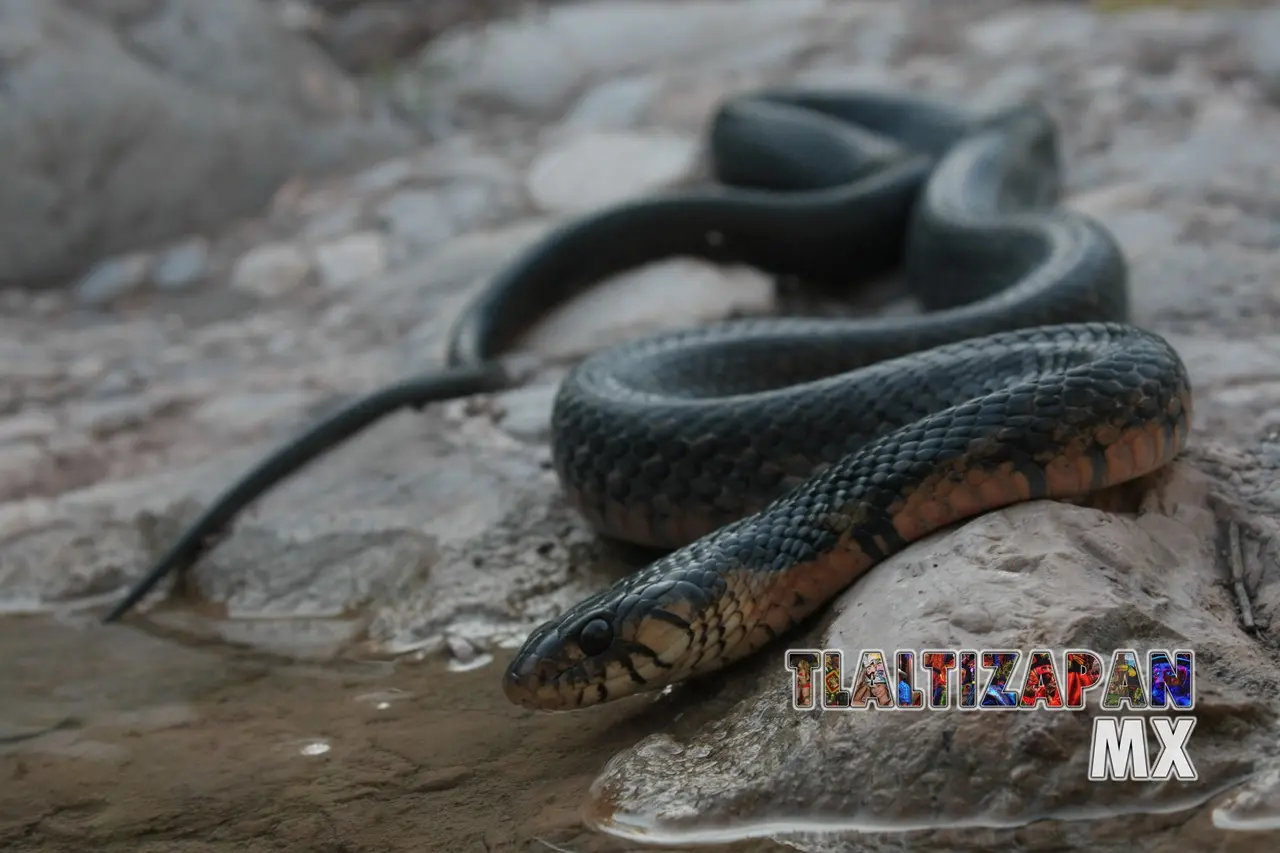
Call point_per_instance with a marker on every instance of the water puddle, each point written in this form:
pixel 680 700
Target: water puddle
pixel 1254 806
pixel 98 724
pixel 681 825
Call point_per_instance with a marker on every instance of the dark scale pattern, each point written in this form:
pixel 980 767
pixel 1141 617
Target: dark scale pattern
pixel 906 422
pixel 794 453
pixel 1016 398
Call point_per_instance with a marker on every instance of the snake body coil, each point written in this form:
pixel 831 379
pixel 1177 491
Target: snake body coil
pixel 783 457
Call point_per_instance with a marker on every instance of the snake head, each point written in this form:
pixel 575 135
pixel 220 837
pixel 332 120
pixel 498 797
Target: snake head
pixel 660 626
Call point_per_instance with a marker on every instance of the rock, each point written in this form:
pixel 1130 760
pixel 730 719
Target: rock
pixel 334 223
pixel 18 464
pixel 523 62
pixel 1036 576
pixel 26 425
pixel 525 413
pixel 1259 35
pixel 1019 30
pixel 593 170
pixel 375 34
pixel 270 270
pixel 614 104
pixel 420 220
pixel 349 259
pixel 420 217
pixel 182 265
pixel 658 296
pixel 113 278
pixel 250 412
pixel 385 175
pixel 216 97
pixel 300 17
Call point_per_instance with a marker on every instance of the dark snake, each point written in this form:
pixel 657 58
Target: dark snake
pixel 782 457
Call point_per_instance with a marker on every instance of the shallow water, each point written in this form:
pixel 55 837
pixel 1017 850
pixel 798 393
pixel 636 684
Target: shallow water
pixel 113 739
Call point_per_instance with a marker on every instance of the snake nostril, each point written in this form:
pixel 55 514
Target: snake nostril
pixel 595 637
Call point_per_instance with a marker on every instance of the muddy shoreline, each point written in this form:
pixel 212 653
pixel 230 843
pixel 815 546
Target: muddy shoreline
pixel 140 743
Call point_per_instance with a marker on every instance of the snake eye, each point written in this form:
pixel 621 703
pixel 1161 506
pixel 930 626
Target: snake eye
pixel 595 637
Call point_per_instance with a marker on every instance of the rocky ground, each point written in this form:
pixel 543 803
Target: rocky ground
pixel 195 289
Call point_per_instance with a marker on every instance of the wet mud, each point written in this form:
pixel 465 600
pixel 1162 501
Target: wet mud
pixel 117 739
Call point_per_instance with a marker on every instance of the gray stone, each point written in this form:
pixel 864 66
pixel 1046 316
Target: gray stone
pixel 523 62
pixel 350 259
pixel 525 413
pixel 666 295
pixel 614 104
pixel 1027 31
pixel 26 425
pixel 384 176
pixel 593 170
pixel 423 219
pixel 270 270
pixel 113 278
pixel 217 98
pixel 250 412
pixel 181 266
pixel 334 223
pixel 19 462
pixel 1260 39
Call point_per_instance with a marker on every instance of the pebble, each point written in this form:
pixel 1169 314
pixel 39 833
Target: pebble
pixel 536 63
pixel 18 461
pixel 526 412
pixel 27 425
pixel 615 104
pixel 598 169
pixel 182 265
pixel 300 17
pixel 461 650
pixel 1023 32
pixel 418 217
pixel 350 259
pixel 1259 40
pixel 249 411
pixel 334 223
pixel 421 220
pixel 113 278
pixel 384 176
pixel 270 270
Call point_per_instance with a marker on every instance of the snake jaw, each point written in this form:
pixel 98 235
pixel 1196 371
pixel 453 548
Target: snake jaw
pixel 653 642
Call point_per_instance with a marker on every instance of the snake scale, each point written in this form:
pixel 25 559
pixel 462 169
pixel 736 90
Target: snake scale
pixel 777 459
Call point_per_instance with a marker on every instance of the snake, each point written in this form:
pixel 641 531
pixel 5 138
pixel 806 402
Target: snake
pixel 776 459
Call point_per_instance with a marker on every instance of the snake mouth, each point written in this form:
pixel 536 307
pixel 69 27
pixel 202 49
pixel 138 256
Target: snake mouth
pixel 568 664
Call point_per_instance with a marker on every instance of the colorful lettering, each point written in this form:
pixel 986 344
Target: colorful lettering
pixel 1001 664
pixel 1042 683
pixel 939 666
pixel 908 695
pixel 1125 683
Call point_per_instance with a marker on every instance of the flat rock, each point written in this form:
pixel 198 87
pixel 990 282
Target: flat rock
pixel 271 269
pixel 597 169
pixel 349 259
pixel 615 104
